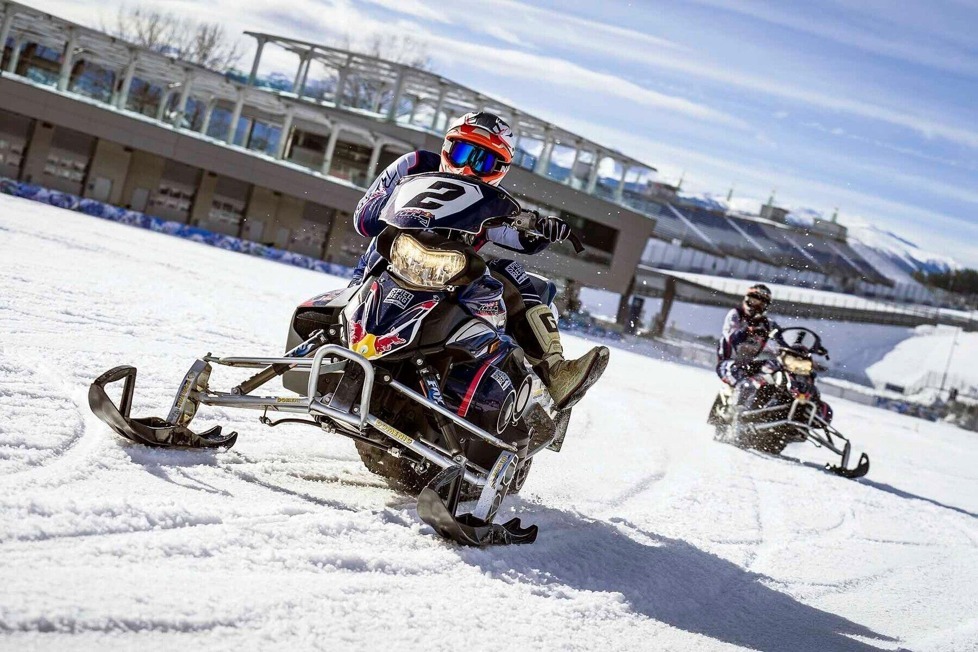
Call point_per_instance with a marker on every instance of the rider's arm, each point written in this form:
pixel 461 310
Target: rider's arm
pixel 732 324
pixel 366 217
pixel 507 237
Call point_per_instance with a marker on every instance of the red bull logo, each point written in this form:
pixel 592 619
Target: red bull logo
pixel 371 346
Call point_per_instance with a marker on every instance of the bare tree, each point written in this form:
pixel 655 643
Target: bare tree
pixel 402 48
pixel 203 43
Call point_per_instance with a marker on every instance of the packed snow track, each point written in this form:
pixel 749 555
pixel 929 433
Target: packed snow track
pixel 652 536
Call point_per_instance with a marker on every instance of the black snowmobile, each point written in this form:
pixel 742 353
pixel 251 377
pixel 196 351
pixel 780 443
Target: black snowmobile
pixel 437 399
pixel 783 405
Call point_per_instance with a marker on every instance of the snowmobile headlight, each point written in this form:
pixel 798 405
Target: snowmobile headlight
pixel 797 365
pixel 423 267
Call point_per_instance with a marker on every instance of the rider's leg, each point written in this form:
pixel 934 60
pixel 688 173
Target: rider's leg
pixel 533 325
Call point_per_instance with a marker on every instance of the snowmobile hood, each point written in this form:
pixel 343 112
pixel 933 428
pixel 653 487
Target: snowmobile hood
pixel 438 200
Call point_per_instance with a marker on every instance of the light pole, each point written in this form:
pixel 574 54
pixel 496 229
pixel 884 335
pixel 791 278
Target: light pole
pixel 950 356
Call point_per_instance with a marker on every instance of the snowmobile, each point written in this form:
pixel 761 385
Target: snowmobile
pixel 781 404
pixel 438 400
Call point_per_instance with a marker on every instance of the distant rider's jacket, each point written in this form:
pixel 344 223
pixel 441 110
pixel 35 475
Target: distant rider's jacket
pixel 742 341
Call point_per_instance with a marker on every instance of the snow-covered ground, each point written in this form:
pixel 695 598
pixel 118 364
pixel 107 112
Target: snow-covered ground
pixel 934 355
pixel 653 537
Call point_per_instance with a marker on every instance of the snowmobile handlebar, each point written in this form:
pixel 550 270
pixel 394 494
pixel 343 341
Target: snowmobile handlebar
pixel 526 221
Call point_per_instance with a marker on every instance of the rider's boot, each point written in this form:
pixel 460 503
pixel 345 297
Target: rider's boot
pixel 566 380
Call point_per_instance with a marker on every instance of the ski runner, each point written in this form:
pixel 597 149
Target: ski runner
pixel 480 145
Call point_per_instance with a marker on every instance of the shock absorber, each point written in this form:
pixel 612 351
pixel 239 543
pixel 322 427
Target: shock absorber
pixel 304 350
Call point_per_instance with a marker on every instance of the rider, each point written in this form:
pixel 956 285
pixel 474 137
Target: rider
pixel 480 145
pixel 746 330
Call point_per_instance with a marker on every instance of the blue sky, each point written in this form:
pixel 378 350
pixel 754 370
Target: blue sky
pixel 867 106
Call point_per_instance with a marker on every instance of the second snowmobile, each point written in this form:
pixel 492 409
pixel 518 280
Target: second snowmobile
pixel 781 404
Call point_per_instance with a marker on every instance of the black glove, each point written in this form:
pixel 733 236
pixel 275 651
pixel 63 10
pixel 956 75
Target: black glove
pixel 553 228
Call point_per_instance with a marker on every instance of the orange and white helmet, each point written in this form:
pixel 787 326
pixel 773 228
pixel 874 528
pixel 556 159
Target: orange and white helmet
pixel 479 145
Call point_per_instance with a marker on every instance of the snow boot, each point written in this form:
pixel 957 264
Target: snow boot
pixel 566 380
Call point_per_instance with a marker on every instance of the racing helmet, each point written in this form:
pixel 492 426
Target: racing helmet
pixel 479 145
pixel 757 299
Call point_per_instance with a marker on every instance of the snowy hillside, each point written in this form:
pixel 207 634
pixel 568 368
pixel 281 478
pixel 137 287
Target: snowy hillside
pixel 893 255
pixel 653 537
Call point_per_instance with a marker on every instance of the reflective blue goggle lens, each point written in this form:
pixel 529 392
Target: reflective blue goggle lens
pixel 479 159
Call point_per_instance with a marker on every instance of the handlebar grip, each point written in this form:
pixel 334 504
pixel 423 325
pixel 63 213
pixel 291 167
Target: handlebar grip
pixel 576 241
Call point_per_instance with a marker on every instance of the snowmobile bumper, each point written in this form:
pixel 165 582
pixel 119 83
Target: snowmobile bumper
pixel 151 431
pixel 815 430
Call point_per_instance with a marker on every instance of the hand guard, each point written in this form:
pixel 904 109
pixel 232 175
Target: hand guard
pixel 553 228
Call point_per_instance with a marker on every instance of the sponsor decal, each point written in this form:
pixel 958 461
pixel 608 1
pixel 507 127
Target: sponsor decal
pixel 419 215
pixel 500 377
pixel 371 346
pixel 516 271
pixel 287 399
pixel 489 308
pixel 549 322
pixel 393 432
pixel 399 297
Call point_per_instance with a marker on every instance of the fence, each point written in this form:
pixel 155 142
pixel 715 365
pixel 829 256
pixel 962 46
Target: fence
pixel 797 302
pixel 185 231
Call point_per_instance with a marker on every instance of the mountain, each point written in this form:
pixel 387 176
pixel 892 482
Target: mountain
pixel 895 256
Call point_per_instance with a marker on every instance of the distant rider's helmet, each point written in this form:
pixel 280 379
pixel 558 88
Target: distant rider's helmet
pixel 756 301
pixel 479 145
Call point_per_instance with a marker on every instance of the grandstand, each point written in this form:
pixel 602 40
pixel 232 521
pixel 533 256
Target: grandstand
pixel 283 160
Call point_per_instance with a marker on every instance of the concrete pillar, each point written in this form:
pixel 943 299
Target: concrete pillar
pixel 669 295
pixel 203 198
pixel 442 91
pixel 164 102
pixel 188 82
pixel 286 135
pixel 110 162
pixel 208 112
pixel 235 116
pixel 620 190
pixel 622 317
pixel 577 156
pixel 414 108
pixel 303 60
pixel 334 135
pixel 398 91
pixel 37 153
pixel 15 55
pixel 142 179
pixel 592 177
pixel 305 74
pixel 123 94
pixel 375 159
pixel 543 163
pixel 254 63
pixel 8 22
pixel 67 60
pixel 340 85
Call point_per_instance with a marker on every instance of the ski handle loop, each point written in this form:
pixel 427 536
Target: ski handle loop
pixel 527 220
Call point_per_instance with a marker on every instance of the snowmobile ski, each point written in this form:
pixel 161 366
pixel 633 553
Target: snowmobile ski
pixel 150 431
pixel 466 529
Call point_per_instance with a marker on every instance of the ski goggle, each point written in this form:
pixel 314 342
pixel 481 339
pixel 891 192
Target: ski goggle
pixel 756 302
pixel 479 159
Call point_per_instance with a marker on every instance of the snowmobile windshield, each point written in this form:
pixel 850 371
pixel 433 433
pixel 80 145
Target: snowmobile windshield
pixel 438 200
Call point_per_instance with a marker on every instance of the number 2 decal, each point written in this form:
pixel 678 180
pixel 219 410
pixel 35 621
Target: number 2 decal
pixel 437 195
